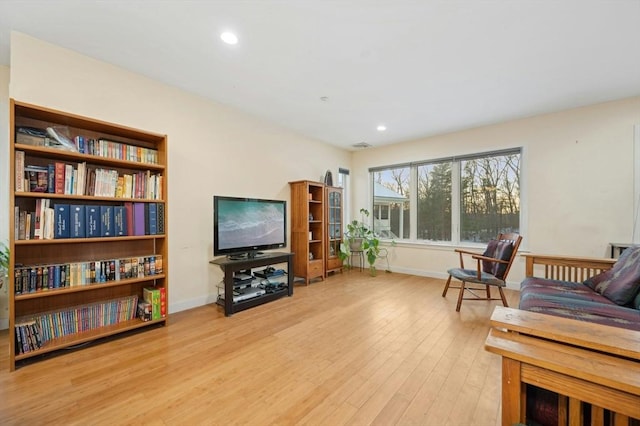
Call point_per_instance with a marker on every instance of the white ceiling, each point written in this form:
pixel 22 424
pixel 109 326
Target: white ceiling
pixel 420 67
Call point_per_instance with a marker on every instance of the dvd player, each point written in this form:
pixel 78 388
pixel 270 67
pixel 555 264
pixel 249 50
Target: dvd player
pixel 247 293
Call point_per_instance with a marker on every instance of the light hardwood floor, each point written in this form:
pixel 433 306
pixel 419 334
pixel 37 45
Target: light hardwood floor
pixel 352 350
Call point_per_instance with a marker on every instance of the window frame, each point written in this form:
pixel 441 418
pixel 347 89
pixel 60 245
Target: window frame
pixel 456 203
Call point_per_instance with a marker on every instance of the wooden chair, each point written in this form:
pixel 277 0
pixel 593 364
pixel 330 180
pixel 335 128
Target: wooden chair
pixel 492 268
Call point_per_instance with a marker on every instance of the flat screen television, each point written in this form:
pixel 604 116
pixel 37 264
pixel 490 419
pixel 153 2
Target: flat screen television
pixel 243 227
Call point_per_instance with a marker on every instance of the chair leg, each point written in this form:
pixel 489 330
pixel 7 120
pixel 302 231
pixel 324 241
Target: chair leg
pixel 488 292
pixel 504 299
pixel 446 287
pixel 460 296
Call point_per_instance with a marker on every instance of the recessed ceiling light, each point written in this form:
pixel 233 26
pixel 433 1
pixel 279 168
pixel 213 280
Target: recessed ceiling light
pixel 229 38
pixel 381 128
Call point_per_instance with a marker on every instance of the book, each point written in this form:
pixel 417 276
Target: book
pixel 59 177
pixel 163 302
pixel 77 218
pixel 33 140
pixel 144 311
pixel 152 295
pixel 120 221
pixel 37 177
pixel 160 218
pixel 68 179
pixel 153 218
pixel 128 207
pixel 19 165
pixel 36 225
pixel 51 178
pixel 92 222
pixel 138 219
pixel 48 232
pixel 106 221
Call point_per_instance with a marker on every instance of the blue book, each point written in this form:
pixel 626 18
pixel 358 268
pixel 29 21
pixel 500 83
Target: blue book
pixel 120 220
pixel 153 219
pixel 93 221
pixel 56 276
pixel 61 221
pixel 78 221
pixel 106 221
pixel 51 178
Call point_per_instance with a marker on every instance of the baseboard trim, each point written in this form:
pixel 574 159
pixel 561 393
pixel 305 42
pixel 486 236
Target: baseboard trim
pixel 511 285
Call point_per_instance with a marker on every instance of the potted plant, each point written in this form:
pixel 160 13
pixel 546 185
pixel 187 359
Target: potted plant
pixel 360 237
pixel 4 263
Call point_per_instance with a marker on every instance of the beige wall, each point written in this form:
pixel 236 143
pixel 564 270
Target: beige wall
pixel 577 180
pixel 577 164
pixel 4 177
pixel 213 149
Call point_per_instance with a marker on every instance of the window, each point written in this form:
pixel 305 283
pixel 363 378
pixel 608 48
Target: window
pixel 459 199
pixel 391 203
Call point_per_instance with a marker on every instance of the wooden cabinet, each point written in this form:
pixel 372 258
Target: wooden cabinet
pixel 308 229
pixel 333 227
pixel 81 275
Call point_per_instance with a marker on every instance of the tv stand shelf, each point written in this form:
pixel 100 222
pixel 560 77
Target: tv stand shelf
pixel 230 267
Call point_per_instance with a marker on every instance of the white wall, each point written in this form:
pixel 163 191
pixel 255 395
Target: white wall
pixel 577 164
pixel 577 181
pixel 213 149
pixel 4 188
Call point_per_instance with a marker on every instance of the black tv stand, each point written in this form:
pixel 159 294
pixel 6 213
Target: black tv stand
pixel 231 266
pixel 247 255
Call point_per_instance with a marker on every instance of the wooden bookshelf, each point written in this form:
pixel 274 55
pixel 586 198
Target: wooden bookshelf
pixel 308 229
pixel 126 151
pixel 334 226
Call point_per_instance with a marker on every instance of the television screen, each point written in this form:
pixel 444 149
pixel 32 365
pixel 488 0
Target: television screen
pixel 244 226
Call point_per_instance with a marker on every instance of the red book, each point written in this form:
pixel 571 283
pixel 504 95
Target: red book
pixel 163 302
pixel 128 207
pixel 59 178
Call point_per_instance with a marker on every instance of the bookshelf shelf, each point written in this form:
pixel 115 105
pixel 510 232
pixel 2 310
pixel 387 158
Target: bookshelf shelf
pixel 86 287
pixel 87 336
pixel 108 307
pixel 94 159
pixel 82 197
pixel 88 240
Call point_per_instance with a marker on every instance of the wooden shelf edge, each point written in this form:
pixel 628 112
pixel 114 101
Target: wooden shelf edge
pixel 87 336
pixel 89 240
pixel 28 194
pixel 94 159
pixel 85 287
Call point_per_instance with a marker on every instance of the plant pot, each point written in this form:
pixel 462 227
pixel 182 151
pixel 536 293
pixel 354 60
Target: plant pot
pixel 355 244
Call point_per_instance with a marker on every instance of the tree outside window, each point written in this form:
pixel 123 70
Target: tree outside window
pixel 487 186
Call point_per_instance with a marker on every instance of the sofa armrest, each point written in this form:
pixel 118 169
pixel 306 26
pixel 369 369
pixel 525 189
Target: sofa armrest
pixel 565 268
pixel 583 363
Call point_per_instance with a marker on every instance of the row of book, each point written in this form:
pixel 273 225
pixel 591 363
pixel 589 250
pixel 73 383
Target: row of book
pixel 36 278
pixel 64 322
pixel 87 221
pixel 78 179
pixel 99 147
pixel 154 304
pixel 28 337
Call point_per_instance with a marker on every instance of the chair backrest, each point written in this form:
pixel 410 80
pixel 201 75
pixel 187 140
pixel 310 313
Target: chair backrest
pixel 504 247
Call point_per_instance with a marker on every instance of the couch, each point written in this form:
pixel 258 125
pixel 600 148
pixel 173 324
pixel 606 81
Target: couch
pixel 609 294
pixel 572 350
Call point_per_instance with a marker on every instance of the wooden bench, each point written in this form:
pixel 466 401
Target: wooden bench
pixel 582 362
